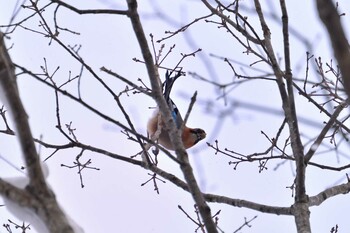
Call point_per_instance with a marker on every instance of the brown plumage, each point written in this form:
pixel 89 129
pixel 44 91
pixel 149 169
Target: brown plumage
pixel 190 136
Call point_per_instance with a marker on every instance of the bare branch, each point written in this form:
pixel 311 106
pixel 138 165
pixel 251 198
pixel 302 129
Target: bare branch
pixel 328 193
pixel 174 133
pixel 233 24
pixel 95 11
pixel 40 198
pixel 331 19
pixel 322 134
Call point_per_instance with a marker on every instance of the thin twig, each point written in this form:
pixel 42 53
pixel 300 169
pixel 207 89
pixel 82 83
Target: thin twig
pixel 94 11
pixel 323 133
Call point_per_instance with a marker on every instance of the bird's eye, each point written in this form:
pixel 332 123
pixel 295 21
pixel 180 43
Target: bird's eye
pixel 199 134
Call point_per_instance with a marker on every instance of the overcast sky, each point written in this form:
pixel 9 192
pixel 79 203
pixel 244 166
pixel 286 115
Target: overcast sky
pixel 113 199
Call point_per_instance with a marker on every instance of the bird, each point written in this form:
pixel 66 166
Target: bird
pixel 190 136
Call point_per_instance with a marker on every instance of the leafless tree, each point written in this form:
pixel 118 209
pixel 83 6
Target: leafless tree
pixel 324 85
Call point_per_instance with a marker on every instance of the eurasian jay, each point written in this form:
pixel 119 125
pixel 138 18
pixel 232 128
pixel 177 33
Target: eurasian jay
pixel 190 136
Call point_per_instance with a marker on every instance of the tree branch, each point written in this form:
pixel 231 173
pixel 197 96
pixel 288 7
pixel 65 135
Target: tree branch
pixel 175 138
pixel 297 146
pixel 37 189
pixel 233 24
pixel 328 193
pixel 323 132
pixel 14 104
pixel 302 213
pixel 331 19
pixel 95 11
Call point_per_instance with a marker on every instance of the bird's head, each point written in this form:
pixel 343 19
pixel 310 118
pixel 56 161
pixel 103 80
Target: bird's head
pixel 191 137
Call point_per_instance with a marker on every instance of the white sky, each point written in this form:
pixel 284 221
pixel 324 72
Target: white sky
pixel 113 199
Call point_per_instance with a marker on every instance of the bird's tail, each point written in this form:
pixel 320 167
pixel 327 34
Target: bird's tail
pixel 168 84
